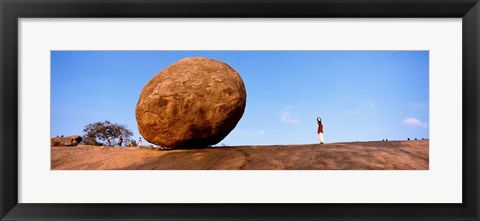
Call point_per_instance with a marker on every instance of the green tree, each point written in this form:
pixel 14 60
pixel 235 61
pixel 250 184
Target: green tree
pixel 107 133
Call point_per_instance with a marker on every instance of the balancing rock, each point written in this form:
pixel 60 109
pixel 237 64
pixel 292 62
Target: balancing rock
pixel 192 103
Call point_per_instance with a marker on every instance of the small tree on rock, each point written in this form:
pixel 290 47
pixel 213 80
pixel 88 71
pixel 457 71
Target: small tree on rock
pixel 133 143
pixel 107 133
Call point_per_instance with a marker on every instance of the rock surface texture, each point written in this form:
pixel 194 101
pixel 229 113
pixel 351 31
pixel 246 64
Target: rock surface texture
pixel 65 141
pixel 192 103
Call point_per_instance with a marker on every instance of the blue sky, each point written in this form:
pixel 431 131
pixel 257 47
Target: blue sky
pixel 360 95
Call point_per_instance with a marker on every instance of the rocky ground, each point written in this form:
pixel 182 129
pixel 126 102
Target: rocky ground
pixel 377 155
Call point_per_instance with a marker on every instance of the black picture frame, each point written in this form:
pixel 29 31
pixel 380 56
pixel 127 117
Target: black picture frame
pixel 12 10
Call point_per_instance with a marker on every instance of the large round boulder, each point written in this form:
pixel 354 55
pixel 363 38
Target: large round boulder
pixel 192 103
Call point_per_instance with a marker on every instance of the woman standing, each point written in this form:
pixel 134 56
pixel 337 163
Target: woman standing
pixel 320 130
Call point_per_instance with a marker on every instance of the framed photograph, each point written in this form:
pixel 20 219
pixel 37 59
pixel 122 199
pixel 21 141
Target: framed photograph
pixel 194 114
pixel 255 110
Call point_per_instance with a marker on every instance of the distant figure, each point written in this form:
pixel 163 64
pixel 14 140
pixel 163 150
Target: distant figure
pixel 120 141
pixel 320 130
pixel 423 138
pixel 415 138
pixel 139 142
pixel 62 135
pixel 386 139
pixel 408 138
